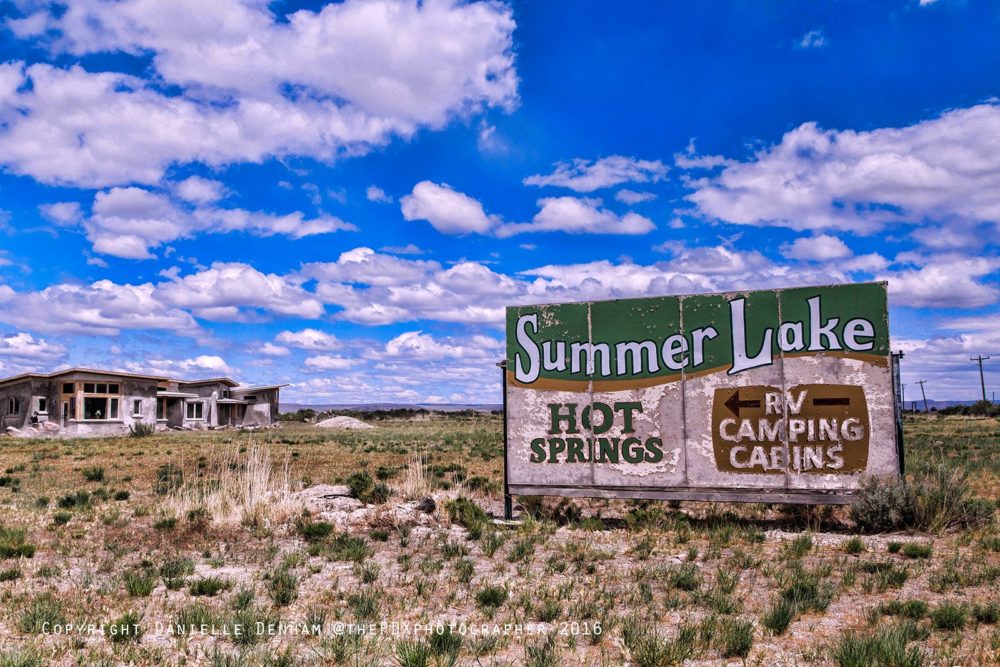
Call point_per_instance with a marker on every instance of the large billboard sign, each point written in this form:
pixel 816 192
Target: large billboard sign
pixel 774 396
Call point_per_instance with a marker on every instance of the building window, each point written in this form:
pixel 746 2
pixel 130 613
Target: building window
pixel 69 388
pixel 161 408
pixel 95 408
pixel 195 410
pixel 43 405
pixel 100 388
pixel 250 397
pixel 13 406
pixel 100 407
pixel 137 407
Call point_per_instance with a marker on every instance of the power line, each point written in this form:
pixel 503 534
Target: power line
pixel 982 382
pixel 921 383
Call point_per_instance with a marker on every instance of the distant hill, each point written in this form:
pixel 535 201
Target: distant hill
pixel 367 407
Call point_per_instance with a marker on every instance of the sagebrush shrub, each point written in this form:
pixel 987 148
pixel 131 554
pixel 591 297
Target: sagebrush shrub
pixel 884 503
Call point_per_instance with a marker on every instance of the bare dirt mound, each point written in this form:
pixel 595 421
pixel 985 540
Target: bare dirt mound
pixel 343 422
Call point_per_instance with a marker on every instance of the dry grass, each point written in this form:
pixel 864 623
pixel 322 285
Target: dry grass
pixel 700 582
pixel 235 485
pixel 414 483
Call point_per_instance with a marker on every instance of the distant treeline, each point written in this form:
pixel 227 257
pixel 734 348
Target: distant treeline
pixel 977 409
pixel 310 415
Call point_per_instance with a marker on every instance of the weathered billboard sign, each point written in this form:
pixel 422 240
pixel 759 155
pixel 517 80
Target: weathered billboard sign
pixel 775 396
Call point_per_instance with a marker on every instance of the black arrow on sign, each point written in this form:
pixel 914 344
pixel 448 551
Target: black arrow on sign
pixel 734 403
pixel 843 400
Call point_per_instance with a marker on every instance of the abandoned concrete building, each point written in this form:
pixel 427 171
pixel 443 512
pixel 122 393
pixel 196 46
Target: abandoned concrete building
pixel 81 401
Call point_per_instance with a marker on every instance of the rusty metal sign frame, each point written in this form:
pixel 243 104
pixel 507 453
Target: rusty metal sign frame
pixel 727 493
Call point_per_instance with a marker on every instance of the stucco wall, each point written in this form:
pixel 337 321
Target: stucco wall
pixel 22 391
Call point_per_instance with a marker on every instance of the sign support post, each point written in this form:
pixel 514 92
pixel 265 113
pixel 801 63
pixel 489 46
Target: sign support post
pixel 899 407
pixel 508 503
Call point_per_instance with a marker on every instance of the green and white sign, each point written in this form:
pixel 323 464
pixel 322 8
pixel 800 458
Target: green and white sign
pixel 777 395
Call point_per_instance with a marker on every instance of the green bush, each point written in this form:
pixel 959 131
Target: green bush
pixel 139 584
pixel 252 623
pixel 40 614
pixel 141 430
pixel 93 474
pixel 854 546
pixel 174 570
pixel 684 577
pixel 466 513
pixel 284 587
pixel 20 658
pixel 209 586
pixel 193 616
pixel 491 597
pixel 359 483
pixel 650 649
pixel 799 547
pixel 412 654
pixel 365 605
pixel 125 628
pixel 949 616
pixel 313 531
pixel 884 503
pixel 169 477
pixel 912 609
pixel 941 498
pixel 987 613
pixel 14 544
pixel 916 550
pixel 346 547
pixel 445 643
pixel 886 648
pixel 166 523
pixel 737 639
pixel 73 500
pixel 779 616
pixel 378 494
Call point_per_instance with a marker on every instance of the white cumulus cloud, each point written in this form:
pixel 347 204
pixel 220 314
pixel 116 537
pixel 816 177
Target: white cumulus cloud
pixel 308 339
pixel 130 222
pixel 579 215
pixel 583 175
pixel 448 211
pixel 819 248
pixel 231 65
pixel 328 362
pixel 939 169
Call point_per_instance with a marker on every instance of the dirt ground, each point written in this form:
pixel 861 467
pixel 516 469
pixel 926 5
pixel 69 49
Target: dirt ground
pixel 320 547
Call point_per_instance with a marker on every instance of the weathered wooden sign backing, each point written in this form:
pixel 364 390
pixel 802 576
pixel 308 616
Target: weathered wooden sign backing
pixel 772 396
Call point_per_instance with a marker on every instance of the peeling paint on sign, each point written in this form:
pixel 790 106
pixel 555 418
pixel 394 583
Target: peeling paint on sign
pixel 765 395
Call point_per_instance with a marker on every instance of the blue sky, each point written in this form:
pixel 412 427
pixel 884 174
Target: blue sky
pixel 345 196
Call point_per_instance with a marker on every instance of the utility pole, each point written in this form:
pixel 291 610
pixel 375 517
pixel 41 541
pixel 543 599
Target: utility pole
pixel 921 383
pixel 982 382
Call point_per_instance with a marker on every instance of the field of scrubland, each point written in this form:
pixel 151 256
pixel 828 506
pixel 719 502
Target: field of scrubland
pixel 305 546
